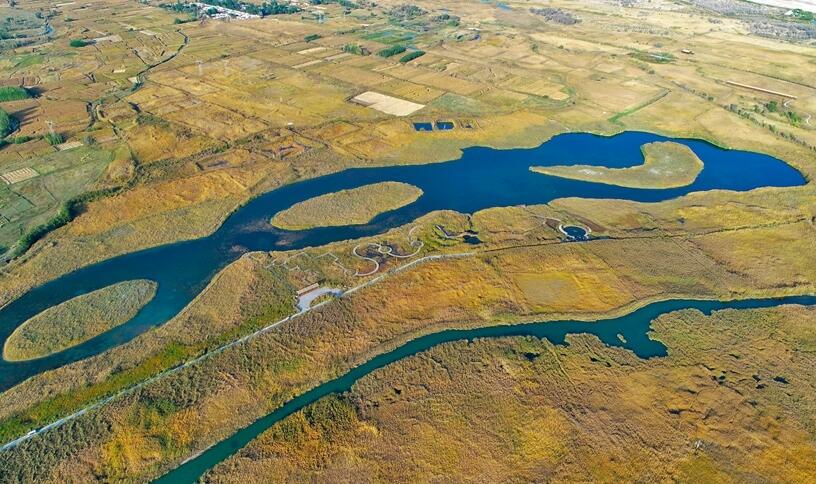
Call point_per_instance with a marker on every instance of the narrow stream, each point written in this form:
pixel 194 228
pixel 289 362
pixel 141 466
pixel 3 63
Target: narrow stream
pixel 634 327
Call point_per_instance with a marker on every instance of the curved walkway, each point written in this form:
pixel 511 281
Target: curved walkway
pixel 807 117
pixel 388 251
pixel 305 300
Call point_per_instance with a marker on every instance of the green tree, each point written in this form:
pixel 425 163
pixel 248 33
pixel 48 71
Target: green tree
pixel 13 93
pixel 391 51
pixel 354 49
pixel 411 56
pixel 54 138
pixel 6 124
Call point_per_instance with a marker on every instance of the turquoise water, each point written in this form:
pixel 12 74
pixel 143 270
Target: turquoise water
pixel 634 328
pixel 481 178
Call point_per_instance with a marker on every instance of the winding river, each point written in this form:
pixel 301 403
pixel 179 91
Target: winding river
pixel 630 332
pixel 481 178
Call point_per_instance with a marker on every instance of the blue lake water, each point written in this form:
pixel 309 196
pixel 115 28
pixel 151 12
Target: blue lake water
pixel 574 232
pixel 633 328
pixel 481 178
pixel 444 125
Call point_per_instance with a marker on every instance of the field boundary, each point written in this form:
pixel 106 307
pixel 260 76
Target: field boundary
pixel 637 107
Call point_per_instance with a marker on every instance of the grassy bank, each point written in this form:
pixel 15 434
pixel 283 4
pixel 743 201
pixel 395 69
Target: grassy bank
pixel 347 207
pixel 78 320
pixel 519 408
pixel 665 165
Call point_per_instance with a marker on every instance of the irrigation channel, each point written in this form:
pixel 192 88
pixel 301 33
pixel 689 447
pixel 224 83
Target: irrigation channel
pixel 629 331
pixel 481 178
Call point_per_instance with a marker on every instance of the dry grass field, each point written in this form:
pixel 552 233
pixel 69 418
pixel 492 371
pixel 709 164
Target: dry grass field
pixel 78 320
pixel 347 207
pixel 522 409
pixel 599 278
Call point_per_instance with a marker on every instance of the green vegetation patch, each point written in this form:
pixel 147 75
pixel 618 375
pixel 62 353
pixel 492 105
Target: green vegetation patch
pixel 347 207
pixel 411 56
pixel 654 57
pixel 666 165
pixel 355 49
pixel 793 118
pixel 391 51
pixel 800 14
pixel 6 123
pixel 78 43
pixel 78 320
pixel 54 138
pixel 18 140
pixel 13 93
pixel 27 60
pixel 390 36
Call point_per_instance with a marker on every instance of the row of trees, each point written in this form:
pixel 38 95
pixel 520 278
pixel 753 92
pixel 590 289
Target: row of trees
pixel 411 56
pixel 10 93
pixel 391 51
pixel 6 123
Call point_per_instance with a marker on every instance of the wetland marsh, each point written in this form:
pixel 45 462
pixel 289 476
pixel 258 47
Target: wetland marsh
pixel 630 332
pixel 397 209
pixel 481 178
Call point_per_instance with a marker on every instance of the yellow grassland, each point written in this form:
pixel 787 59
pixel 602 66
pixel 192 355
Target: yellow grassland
pixel 77 320
pixel 584 281
pixel 347 207
pixel 521 408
